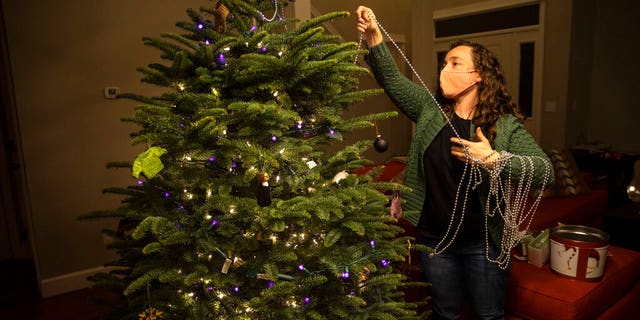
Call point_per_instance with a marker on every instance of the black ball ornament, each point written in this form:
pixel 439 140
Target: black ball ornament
pixel 380 144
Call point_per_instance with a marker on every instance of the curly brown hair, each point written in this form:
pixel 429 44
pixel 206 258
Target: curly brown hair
pixel 494 99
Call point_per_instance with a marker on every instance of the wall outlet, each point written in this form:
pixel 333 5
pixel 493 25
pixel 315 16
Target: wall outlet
pixel 106 239
pixel 551 106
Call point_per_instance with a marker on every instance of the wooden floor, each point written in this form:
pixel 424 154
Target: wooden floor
pixel 20 299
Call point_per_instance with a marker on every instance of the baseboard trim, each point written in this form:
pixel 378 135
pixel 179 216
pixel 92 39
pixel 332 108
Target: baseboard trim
pixel 69 282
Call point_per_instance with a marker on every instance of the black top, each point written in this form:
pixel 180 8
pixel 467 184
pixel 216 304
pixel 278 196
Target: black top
pixel 443 173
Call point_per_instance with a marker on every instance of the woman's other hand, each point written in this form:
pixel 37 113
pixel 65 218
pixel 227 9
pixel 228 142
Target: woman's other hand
pixel 480 150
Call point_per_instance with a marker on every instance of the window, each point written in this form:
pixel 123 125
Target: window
pixel 525 83
pixel 488 21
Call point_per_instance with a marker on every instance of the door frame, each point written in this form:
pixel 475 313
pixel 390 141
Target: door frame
pixel 516 36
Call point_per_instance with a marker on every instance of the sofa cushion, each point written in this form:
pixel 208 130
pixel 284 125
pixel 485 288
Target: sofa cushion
pixel 625 308
pixel 538 293
pixel 583 209
pixel 569 180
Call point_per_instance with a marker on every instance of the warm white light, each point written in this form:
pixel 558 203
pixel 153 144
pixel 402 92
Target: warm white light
pixel 275 94
pixel 227 49
pixel 632 189
pixel 209 217
pixel 181 86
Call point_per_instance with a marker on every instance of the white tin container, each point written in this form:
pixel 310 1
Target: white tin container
pixel 578 252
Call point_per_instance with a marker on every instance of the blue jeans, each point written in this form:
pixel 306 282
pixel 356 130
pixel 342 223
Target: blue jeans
pixel 460 267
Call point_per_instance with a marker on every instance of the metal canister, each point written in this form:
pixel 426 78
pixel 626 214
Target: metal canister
pixel 578 252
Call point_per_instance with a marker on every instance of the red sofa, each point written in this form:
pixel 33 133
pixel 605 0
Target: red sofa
pixel 533 289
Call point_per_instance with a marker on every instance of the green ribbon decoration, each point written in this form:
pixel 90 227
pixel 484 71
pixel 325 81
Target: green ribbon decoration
pixel 148 162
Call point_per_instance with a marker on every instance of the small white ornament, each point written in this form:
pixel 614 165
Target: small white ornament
pixel 339 176
pixel 312 164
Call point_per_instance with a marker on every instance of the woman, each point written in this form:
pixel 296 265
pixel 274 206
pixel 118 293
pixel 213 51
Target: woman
pixel 470 134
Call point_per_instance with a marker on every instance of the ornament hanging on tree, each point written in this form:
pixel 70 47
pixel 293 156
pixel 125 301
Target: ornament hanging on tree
pixel 150 313
pixel 263 194
pixel 220 13
pixel 380 144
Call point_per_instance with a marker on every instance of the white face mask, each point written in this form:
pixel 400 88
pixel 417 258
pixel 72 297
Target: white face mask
pixel 453 83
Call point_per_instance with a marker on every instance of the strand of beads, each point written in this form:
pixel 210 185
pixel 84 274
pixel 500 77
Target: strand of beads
pixel 275 12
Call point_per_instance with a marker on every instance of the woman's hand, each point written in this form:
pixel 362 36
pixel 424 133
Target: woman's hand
pixel 480 150
pixel 366 23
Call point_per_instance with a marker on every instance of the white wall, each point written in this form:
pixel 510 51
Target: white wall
pixel 614 110
pixel 62 55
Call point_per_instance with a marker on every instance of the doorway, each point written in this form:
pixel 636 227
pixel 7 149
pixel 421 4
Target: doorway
pixel 17 265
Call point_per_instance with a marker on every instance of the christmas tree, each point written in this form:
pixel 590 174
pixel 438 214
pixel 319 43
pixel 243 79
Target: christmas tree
pixel 237 210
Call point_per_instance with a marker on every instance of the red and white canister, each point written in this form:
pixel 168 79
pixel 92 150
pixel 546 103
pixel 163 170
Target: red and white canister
pixel 578 252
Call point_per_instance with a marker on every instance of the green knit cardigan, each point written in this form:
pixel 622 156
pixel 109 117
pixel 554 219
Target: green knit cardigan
pixel 417 104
